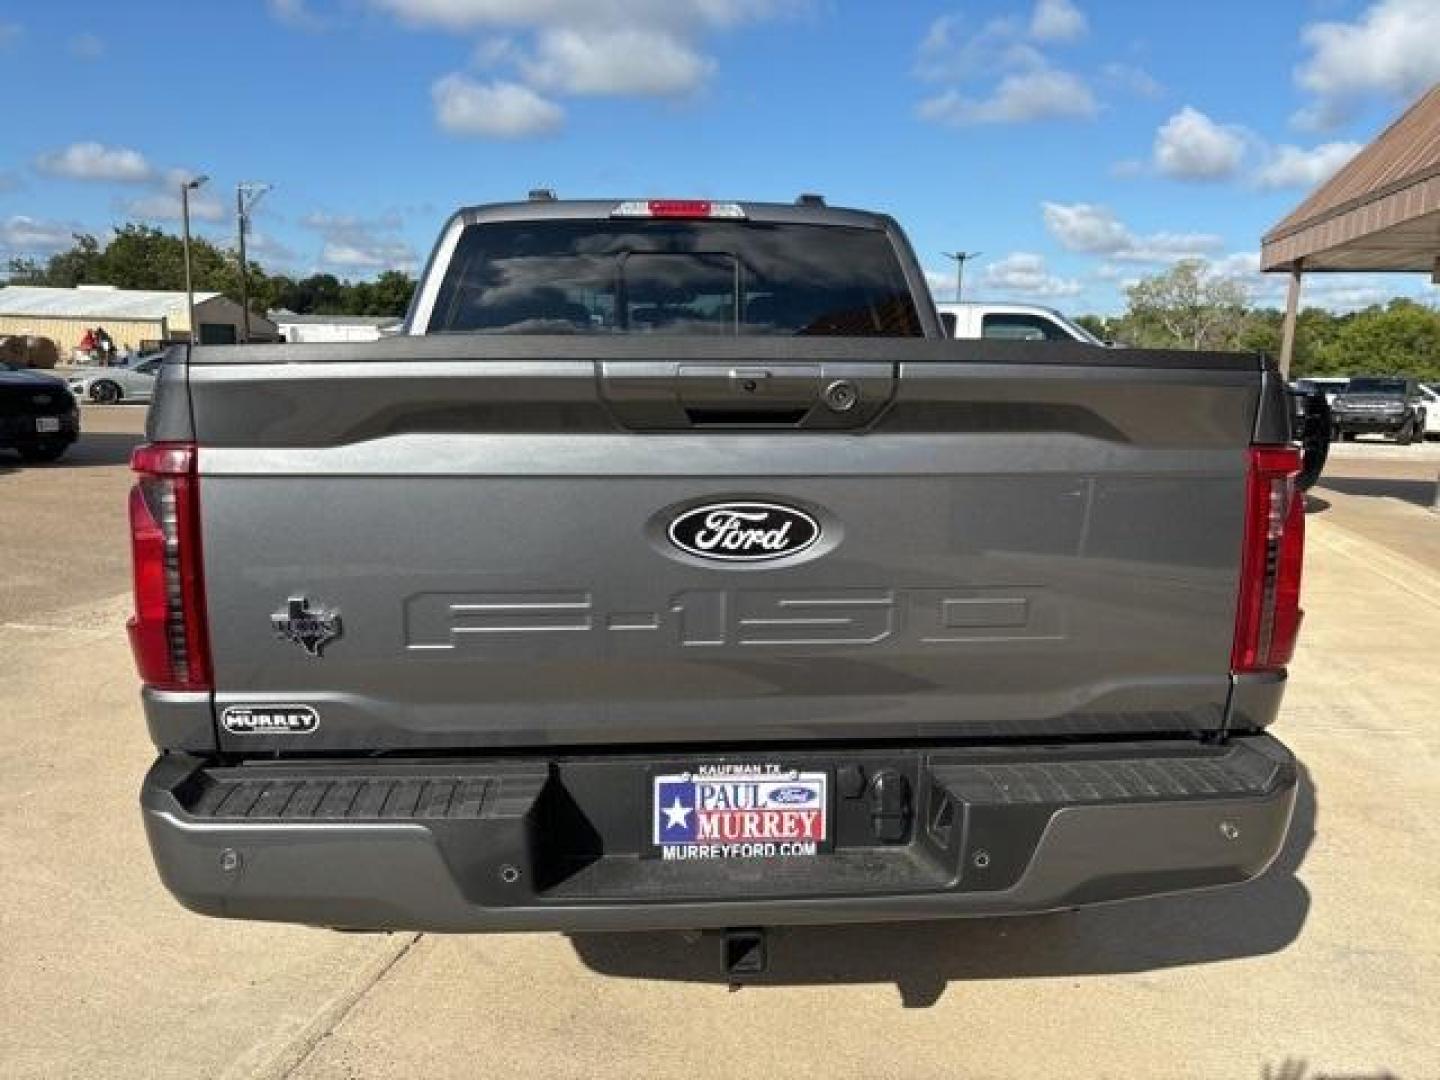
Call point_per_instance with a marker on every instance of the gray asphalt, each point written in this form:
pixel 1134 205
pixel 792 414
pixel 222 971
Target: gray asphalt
pixel 1332 959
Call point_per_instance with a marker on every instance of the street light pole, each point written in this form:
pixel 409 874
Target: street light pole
pixel 244 282
pixel 960 257
pixel 247 194
pixel 187 186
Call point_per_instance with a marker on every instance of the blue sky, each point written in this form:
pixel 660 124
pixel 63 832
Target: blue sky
pixel 1076 143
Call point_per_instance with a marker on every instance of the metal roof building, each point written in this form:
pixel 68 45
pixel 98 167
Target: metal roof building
pixel 1380 212
pixel 319 328
pixel 97 302
pixel 133 318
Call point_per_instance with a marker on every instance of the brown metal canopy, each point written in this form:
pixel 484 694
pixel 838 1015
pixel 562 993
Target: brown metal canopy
pixel 1380 212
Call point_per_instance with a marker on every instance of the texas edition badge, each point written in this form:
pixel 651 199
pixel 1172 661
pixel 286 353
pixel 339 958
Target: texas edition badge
pixel 310 628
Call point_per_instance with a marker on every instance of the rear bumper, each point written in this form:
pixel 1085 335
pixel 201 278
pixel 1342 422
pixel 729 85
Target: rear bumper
pixel 558 844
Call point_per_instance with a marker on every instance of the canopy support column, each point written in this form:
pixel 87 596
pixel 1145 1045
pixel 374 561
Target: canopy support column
pixel 1292 307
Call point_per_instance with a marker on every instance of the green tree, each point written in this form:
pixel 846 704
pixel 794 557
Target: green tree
pixel 1104 327
pixel 1400 338
pixel 1186 307
pixel 66 269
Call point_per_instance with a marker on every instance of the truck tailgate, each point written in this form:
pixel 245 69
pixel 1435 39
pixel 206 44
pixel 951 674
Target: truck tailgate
pixel 1011 540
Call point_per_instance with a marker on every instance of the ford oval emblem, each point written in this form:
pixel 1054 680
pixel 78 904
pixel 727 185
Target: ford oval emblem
pixel 792 796
pixel 743 531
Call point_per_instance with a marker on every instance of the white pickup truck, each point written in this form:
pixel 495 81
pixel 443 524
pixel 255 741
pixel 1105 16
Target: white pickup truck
pixel 1012 322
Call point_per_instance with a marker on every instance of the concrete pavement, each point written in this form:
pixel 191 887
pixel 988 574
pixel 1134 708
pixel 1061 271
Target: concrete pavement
pixel 1372 488
pixel 1332 958
pixel 62 549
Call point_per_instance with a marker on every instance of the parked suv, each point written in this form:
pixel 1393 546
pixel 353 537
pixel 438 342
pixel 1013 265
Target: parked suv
pixel 1385 405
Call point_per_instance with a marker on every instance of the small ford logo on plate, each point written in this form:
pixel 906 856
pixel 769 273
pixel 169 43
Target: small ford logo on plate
pixel 744 531
pixel 792 796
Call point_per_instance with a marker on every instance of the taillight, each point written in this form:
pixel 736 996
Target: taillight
pixel 167 631
pixel 678 208
pixel 1267 620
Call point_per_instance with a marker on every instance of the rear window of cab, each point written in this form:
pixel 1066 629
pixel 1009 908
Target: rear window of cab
pixel 676 277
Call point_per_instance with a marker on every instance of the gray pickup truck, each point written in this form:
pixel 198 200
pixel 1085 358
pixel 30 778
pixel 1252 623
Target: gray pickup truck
pixel 671 569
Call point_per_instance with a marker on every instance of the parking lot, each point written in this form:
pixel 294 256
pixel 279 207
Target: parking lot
pixel 1332 959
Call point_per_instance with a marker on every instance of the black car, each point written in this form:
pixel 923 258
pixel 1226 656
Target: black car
pixel 38 414
pixel 1381 405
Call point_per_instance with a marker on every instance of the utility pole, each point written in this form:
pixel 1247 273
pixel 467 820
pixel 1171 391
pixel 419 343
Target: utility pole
pixel 187 186
pixel 247 194
pixel 960 257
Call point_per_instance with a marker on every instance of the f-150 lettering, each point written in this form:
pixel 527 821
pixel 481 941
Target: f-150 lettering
pixel 717 617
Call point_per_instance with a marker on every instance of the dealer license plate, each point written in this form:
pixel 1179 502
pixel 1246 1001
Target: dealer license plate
pixel 47 425
pixel 755 813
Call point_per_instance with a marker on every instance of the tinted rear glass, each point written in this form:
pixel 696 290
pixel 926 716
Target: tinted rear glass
pixel 674 277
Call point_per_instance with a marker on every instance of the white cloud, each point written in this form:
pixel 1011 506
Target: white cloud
pixel 21 235
pixel 1343 292
pixel 1057 20
pixel 1168 247
pixel 349 256
pixel 586 47
pixel 87 47
pixel 295 13
pixel 1391 50
pixel 1334 292
pixel 1191 146
pixel 625 60
pixel 948 53
pixel 1086 227
pixel 260 245
pixel 1294 166
pixel 1133 79
pixel 1238 264
pixel 1030 87
pixel 1047 94
pixel 163 204
pixel 10 33
pixel 95 161
pixel 1095 230
pixel 942 284
pixel 497 110
pixel 491 52
pixel 162 201
pixel 472 14
pixel 361 244
pixel 1023 273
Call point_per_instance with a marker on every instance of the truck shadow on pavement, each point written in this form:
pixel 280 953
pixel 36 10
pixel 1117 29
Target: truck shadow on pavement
pixel 91 450
pixel 922 959
pixel 1418 492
